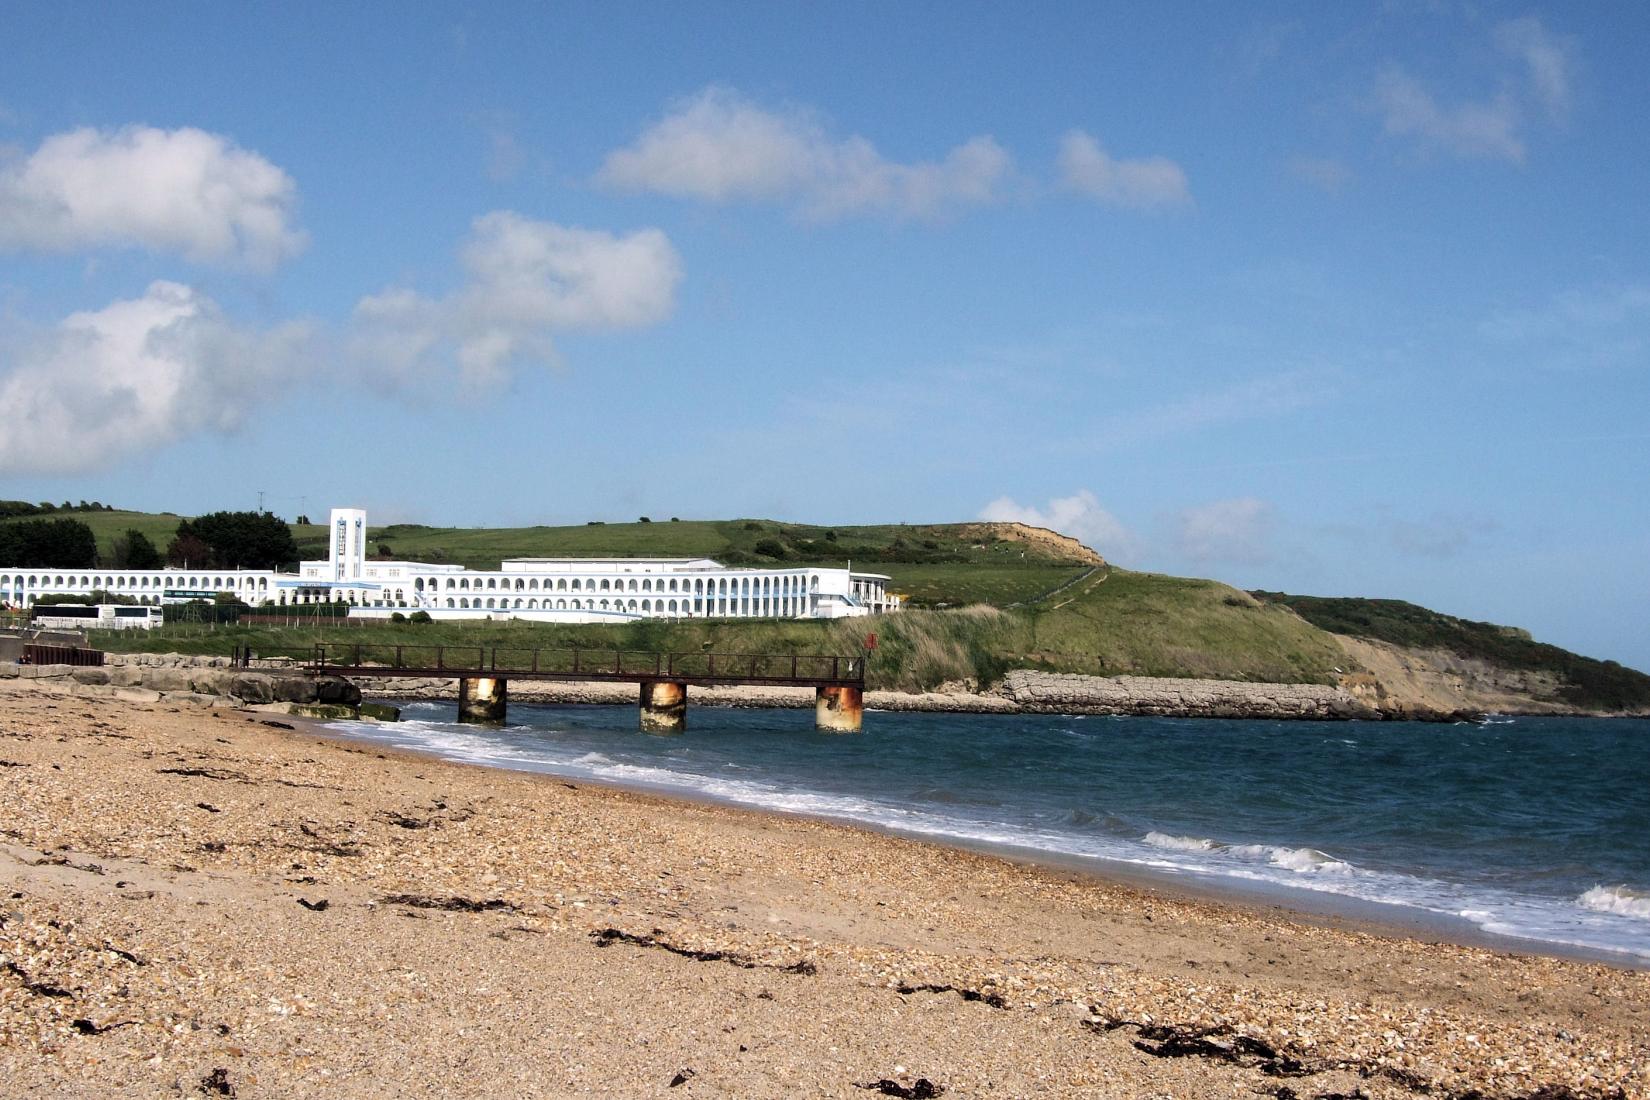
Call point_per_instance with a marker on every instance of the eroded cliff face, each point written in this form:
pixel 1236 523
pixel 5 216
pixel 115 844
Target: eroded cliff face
pixel 1052 543
pixel 1398 682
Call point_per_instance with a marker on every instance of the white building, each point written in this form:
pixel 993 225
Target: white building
pixel 563 590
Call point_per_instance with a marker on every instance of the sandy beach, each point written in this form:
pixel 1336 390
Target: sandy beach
pixel 210 902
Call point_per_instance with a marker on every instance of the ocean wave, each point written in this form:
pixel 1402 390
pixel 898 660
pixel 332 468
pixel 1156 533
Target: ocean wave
pixel 1180 843
pixel 1620 900
pixel 1610 918
pixel 1302 860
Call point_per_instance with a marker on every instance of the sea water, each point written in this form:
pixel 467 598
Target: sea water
pixel 1534 828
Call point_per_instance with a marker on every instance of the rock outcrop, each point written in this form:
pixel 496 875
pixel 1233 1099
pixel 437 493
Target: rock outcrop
pixel 1061 693
pixel 202 681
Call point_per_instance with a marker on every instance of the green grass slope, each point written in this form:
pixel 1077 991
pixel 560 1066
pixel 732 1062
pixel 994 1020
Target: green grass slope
pixel 159 527
pixel 1589 683
pixel 1112 622
pixel 984 598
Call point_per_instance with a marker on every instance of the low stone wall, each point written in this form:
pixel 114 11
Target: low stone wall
pixel 212 681
pixel 276 682
pixel 1022 692
pixel 1060 693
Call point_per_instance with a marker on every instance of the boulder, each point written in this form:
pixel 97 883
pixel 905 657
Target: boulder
pixel 336 689
pixel 90 676
pixel 254 687
pixel 294 689
pixel 158 678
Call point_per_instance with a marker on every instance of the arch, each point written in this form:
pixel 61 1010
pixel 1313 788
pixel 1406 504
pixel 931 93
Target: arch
pixel 561 585
pixel 673 607
pixel 633 584
pixel 451 584
pixel 532 585
pixel 449 601
pixel 518 601
pixel 632 602
pixel 561 605
pixel 605 586
pixel 647 585
pixel 532 605
pixel 578 605
pixel 575 584
pixel 491 602
pixel 463 582
pixel 647 605
pixel 604 605
pixel 492 583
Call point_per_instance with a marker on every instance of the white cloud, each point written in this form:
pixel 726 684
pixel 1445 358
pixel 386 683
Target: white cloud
pixel 1324 173
pixel 134 375
pixel 184 191
pixel 720 147
pixel 1089 170
pixel 1236 530
pixel 1491 126
pixel 1471 129
pixel 1079 515
pixel 1600 327
pixel 527 280
pixel 1549 60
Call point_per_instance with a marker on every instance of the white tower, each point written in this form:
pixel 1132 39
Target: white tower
pixel 347 551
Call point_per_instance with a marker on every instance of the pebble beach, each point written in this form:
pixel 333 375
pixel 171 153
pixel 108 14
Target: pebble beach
pixel 207 901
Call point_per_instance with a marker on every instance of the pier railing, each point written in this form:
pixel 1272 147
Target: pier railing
pixel 583 663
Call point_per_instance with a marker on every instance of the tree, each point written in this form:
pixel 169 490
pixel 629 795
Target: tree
pixel 133 550
pixel 244 540
pixel 48 543
pixel 302 521
pixel 188 550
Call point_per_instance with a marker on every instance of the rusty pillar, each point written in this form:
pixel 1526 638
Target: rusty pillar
pixel 839 709
pixel 664 706
pixel 481 700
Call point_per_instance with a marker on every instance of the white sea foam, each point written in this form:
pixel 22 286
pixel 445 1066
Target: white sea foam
pixel 1620 900
pixel 1300 860
pixel 1605 917
pixel 1179 843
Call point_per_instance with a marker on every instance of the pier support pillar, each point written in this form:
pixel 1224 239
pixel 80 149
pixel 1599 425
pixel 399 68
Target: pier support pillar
pixel 664 706
pixel 481 700
pixel 839 709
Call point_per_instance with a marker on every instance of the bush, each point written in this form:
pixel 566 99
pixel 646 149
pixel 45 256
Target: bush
pixel 397 617
pixel 770 548
pixel 643 519
pixel 419 617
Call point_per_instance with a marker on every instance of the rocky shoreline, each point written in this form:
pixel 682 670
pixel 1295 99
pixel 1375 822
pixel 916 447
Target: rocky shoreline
pixel 278 683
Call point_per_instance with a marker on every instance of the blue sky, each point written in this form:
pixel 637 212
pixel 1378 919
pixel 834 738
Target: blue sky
pixel 1334 299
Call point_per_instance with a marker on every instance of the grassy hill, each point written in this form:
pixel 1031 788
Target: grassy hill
pixel 934 565
pixel 985 598
pixel 1603 685
pixel 1111 622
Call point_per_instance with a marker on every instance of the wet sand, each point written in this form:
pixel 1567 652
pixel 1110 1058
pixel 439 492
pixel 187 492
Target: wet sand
pixel 195 901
